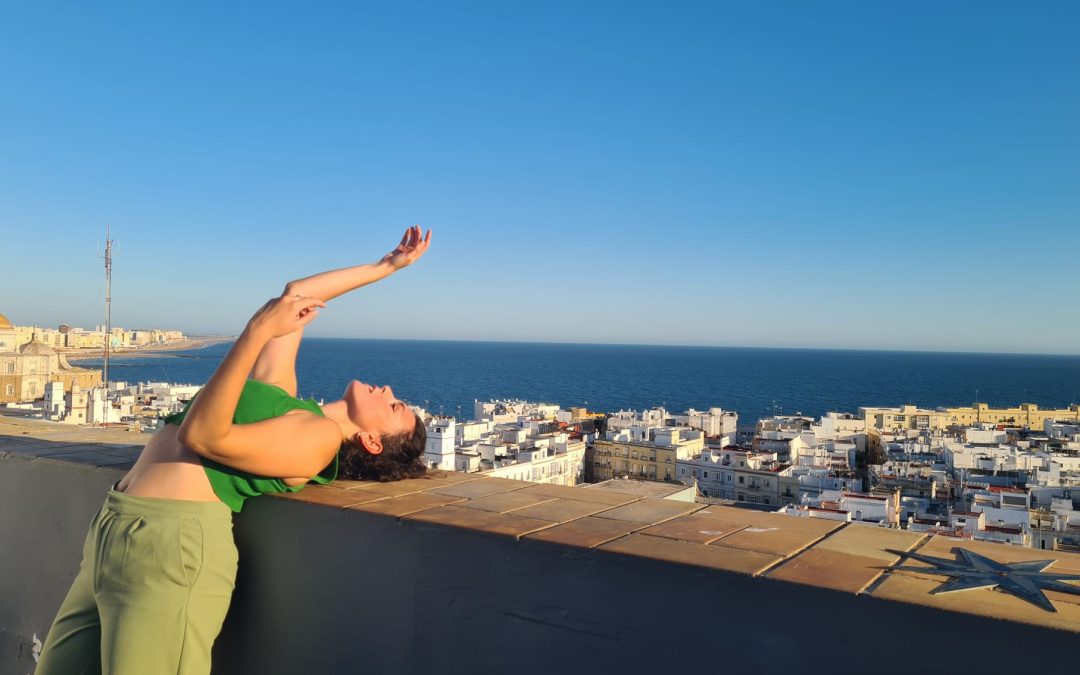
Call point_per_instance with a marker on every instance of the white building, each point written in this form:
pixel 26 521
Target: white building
pixel 716 422
pixel 510 410
pixel 644 419
pixel 557 460
pixel 441 438
pixel 55 401
pixel 737 474
pixel 836 426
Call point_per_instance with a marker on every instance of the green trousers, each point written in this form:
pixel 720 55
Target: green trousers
pixel 151 593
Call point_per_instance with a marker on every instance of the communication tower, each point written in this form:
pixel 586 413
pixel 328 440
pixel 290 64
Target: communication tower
pixel 108 315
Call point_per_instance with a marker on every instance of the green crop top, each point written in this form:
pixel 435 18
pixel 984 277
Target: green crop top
pixel 259 401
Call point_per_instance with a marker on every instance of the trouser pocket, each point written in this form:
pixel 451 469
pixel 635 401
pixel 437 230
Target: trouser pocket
pixel 190 537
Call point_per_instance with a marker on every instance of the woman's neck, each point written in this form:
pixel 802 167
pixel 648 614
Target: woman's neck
pixel 339 412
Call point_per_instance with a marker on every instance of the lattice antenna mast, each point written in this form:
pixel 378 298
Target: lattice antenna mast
pixel 108 310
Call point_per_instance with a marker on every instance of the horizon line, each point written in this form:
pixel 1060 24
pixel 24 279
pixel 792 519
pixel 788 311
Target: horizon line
pixel 916 350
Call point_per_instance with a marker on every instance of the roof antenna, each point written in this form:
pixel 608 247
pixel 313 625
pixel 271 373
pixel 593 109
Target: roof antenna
pixel 108 318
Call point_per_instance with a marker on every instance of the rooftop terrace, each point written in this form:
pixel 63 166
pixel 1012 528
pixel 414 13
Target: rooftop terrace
pixel 465 573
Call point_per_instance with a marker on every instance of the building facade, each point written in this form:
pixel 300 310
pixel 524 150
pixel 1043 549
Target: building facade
pixel 910 417
pixel 640 452
pixel 25 373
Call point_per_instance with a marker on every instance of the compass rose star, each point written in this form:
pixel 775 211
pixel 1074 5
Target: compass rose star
pixel 970 570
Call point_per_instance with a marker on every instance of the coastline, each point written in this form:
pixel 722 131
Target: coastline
pixel 151 351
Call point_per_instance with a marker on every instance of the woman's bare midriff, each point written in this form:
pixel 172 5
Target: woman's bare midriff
pixel 167 469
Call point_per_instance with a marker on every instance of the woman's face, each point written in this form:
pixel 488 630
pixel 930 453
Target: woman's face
pixel 376 410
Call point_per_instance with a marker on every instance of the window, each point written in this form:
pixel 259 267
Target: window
pixel 11 390
pixel 706 474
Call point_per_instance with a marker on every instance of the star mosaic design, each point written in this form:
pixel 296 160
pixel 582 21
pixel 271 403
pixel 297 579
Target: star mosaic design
pixel 1025 580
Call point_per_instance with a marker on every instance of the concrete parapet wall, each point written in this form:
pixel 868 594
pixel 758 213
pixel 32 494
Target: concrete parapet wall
pixel 326 589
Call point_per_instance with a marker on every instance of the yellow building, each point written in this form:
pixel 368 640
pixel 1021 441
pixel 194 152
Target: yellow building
pixel 905 417
pixel 24 334
pixel 911 417
pixel 49 336
pixel 652 459
pixel 1025 415
pixel 85 340
pixel 24 371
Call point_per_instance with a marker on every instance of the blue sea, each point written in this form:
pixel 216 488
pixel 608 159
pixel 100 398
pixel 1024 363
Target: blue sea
pixel 448 376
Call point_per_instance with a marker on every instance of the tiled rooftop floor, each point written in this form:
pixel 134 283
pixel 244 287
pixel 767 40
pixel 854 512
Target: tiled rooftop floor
pixel 849 558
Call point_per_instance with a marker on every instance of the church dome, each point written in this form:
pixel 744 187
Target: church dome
pixel 36 348
pixel 5 324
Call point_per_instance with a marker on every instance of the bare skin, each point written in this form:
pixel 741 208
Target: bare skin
pixel 166 469
pixel 295 446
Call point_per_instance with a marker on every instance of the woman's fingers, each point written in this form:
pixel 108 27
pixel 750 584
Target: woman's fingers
pixel 305 304
pixel 309 301
pixel 302 311
pixel 307 316
pixel 413 244
pixel 285 314
pixel 421 244
pixel 419 240
pixel 298 306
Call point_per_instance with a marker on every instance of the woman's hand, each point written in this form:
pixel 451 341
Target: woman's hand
pixel 285 315
pixel 409 250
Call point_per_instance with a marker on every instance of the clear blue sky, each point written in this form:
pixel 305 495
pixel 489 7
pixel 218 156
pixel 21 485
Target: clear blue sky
pixel 830 174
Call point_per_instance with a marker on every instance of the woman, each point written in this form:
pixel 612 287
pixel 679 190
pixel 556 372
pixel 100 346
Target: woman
pixel 159 563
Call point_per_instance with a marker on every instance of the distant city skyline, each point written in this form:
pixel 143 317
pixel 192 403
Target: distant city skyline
pixel 849 176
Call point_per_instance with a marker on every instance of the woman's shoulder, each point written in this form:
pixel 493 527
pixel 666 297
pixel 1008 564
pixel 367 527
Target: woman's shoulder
pixel 262 400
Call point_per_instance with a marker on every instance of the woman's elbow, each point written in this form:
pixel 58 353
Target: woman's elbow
pixel 192 440
pixel 186 438
pixel 292 288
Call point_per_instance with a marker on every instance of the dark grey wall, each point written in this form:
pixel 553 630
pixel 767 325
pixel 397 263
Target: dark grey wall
pixel 45 510
pixel 329 591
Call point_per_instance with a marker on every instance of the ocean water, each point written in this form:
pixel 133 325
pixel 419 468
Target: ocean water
pixel 448 376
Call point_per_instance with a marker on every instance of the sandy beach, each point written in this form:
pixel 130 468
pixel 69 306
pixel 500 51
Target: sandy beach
pixel 150 351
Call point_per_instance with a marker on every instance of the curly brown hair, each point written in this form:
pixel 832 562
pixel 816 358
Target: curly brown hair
pixel 401 457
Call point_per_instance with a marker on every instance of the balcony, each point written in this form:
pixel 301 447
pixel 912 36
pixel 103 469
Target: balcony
pixel 454 574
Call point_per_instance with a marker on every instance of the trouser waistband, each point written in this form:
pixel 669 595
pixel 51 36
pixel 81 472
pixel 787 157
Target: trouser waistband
pixel 167 508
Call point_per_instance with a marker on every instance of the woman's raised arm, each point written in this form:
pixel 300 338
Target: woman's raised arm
pixel 208 425
pixel 276 363
pixel 329 285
